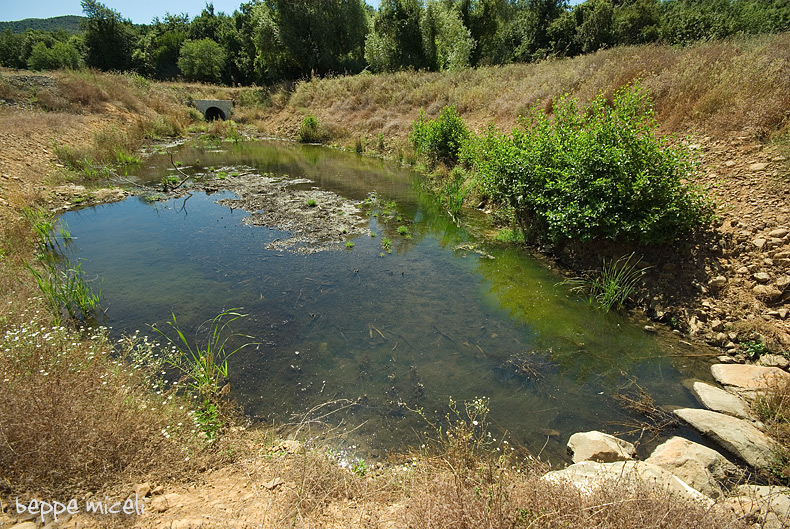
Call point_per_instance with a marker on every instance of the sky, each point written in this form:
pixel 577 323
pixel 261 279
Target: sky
pixel 138 11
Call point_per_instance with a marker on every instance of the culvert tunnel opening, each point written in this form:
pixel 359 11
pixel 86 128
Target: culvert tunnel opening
pixel 214 113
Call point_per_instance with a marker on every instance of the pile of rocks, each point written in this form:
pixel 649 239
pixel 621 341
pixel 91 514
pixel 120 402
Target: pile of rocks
pixel 689 469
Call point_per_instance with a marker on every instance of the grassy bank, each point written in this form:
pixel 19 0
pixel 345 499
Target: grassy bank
pixel 723 88
pixel 79 418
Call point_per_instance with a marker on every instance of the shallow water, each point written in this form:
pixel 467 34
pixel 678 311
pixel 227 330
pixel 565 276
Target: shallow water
pixel 389 332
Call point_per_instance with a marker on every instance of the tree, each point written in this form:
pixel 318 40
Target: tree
pixel 202 60
pixel 396 42
pixel 687 21
pixel 11 49
pixel 296 38
pixel 60 55
pixel 108 37
pixel 447 43
pixel 637 22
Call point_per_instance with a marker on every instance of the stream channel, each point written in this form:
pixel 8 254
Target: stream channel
pixel 438 312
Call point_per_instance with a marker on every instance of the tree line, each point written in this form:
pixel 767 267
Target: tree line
pixel 266 41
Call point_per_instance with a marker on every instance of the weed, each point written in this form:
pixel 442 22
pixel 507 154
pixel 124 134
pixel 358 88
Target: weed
pixel 613 285
pixel 207 420
pixel 453 192
pixel 753 349
pixel 222 175
pixel 64 287
pixel 62 284
pixel 404 231
pixel 124 158
pixel 311 130
pixel 360 468
pixel 349 244
pixel 311 203
pixel 169 182
pixel 509 235
pixel 386 244
pixel 205 366
pixel 442 139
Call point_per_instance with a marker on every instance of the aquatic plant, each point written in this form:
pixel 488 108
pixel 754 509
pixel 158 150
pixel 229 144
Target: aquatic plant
pixel 613 285
pixel 62 284
pixel 349 244
pixel 205 366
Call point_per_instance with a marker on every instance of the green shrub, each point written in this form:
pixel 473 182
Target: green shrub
pixel 599 173
pixel 311 130
pixel 442 139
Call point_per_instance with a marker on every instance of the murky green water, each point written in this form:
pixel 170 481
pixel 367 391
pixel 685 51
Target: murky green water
pixel 416 326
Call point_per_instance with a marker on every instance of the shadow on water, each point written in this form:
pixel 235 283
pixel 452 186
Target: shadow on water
pixel 387 331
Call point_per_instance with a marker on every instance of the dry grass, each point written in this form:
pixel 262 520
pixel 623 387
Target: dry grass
pixel 439 500
pixel 75 420
pixel 774 410
pixel 734 87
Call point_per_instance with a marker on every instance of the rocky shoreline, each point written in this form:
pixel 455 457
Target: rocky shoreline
pixel 691 470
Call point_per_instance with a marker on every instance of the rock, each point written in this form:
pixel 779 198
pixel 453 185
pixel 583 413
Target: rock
pixel 782 283
pixel 758 166
pixel 782 255
pixel 767 506
pixel 759 243
pixel 288 446
pixel 589 475
pixel 747 378
pixel 599 446
pixel 274 483
pixel 717 282
pixel 772 360
pixel 782 313
pixel 700 467
pixel 778 233
pixel 770 498
pixel 736 436
pixel 761 277
pixel 163 503
pixel 717 326
pixel 651 329
pixel 767 293
pixel 142 489
pixel 24 525
pixel 716 399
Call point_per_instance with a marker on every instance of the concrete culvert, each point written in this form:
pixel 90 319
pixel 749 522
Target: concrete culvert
pixel 214 108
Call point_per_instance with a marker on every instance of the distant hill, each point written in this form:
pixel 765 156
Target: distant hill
pixel 70 23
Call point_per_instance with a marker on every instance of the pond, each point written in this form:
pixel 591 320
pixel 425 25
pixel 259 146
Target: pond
pixel 402 320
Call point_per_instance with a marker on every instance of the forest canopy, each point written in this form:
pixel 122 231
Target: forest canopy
pixel 267 41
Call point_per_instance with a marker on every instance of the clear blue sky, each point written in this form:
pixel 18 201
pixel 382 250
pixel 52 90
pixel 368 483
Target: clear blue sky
pixel 139 11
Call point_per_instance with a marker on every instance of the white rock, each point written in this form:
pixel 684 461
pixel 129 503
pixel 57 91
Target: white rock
pixel 737 436
pixel 599 446
pixel 748 378
pixel 716 399
pixel 590 475
pixel 700 467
